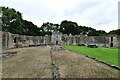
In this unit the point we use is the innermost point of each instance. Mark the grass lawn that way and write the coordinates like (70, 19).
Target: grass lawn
(109, 55)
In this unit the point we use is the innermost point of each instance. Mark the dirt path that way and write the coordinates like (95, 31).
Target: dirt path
(31, 62)
(73, 65)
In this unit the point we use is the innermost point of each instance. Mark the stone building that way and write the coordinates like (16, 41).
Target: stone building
(56, 38)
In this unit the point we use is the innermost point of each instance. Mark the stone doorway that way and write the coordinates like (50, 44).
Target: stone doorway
(15, 40)
(56, 42)
(111, 44)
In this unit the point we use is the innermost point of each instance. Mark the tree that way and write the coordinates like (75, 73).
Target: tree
(69, 27)
(102, 32)
(48, 28)
(30, 29)
(12, 20)
(114, 32)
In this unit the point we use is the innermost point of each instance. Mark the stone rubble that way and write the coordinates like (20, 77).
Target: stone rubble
(6, 55)
(55, 69)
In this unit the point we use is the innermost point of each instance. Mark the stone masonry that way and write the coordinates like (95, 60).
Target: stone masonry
(10, 40)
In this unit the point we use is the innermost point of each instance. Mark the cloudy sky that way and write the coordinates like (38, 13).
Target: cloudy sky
(98, 14)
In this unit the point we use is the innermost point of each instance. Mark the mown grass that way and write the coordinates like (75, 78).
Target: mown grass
(109, 55)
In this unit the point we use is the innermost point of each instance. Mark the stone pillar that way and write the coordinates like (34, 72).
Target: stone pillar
(0, 54)
(118, 39)
(6, 39)
(106, 41)
(0, 41)
(10, 40)
(31, 41)
(68, 40)
(115, 42)
(74, 40)
(44, 40)
(36, 41)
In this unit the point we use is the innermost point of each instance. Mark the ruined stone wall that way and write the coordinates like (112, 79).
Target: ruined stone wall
(116, 41)
(103, 41)
(15, 40)
(6, 40)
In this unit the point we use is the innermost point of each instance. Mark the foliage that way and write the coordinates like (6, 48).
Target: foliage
(12, 20)
(48, 28)
(30, 29)
(68, 27)
(115, 32)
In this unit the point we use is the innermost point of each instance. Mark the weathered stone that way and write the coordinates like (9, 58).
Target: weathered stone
(14, 40)
(0, 41)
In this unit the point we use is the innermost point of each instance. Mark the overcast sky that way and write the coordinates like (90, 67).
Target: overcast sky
(98, 14)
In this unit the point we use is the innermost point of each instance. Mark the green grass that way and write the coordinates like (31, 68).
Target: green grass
(109, 55)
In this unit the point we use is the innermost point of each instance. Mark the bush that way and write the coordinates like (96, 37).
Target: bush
(81, 44)
(92, 46)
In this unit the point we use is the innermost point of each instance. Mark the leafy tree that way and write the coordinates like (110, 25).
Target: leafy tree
(102, 33)
(114, 32)
(68, 27)
(48, 28)
(30, 29)
(12, 20)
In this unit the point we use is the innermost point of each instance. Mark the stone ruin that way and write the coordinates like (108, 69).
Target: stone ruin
(15, 40)
(102, 41)
(10, 40)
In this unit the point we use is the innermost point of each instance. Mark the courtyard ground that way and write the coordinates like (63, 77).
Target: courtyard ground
(35, 62)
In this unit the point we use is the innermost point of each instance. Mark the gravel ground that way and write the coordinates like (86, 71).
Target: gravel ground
(36, 62)
(31, 62)
(73, 65)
